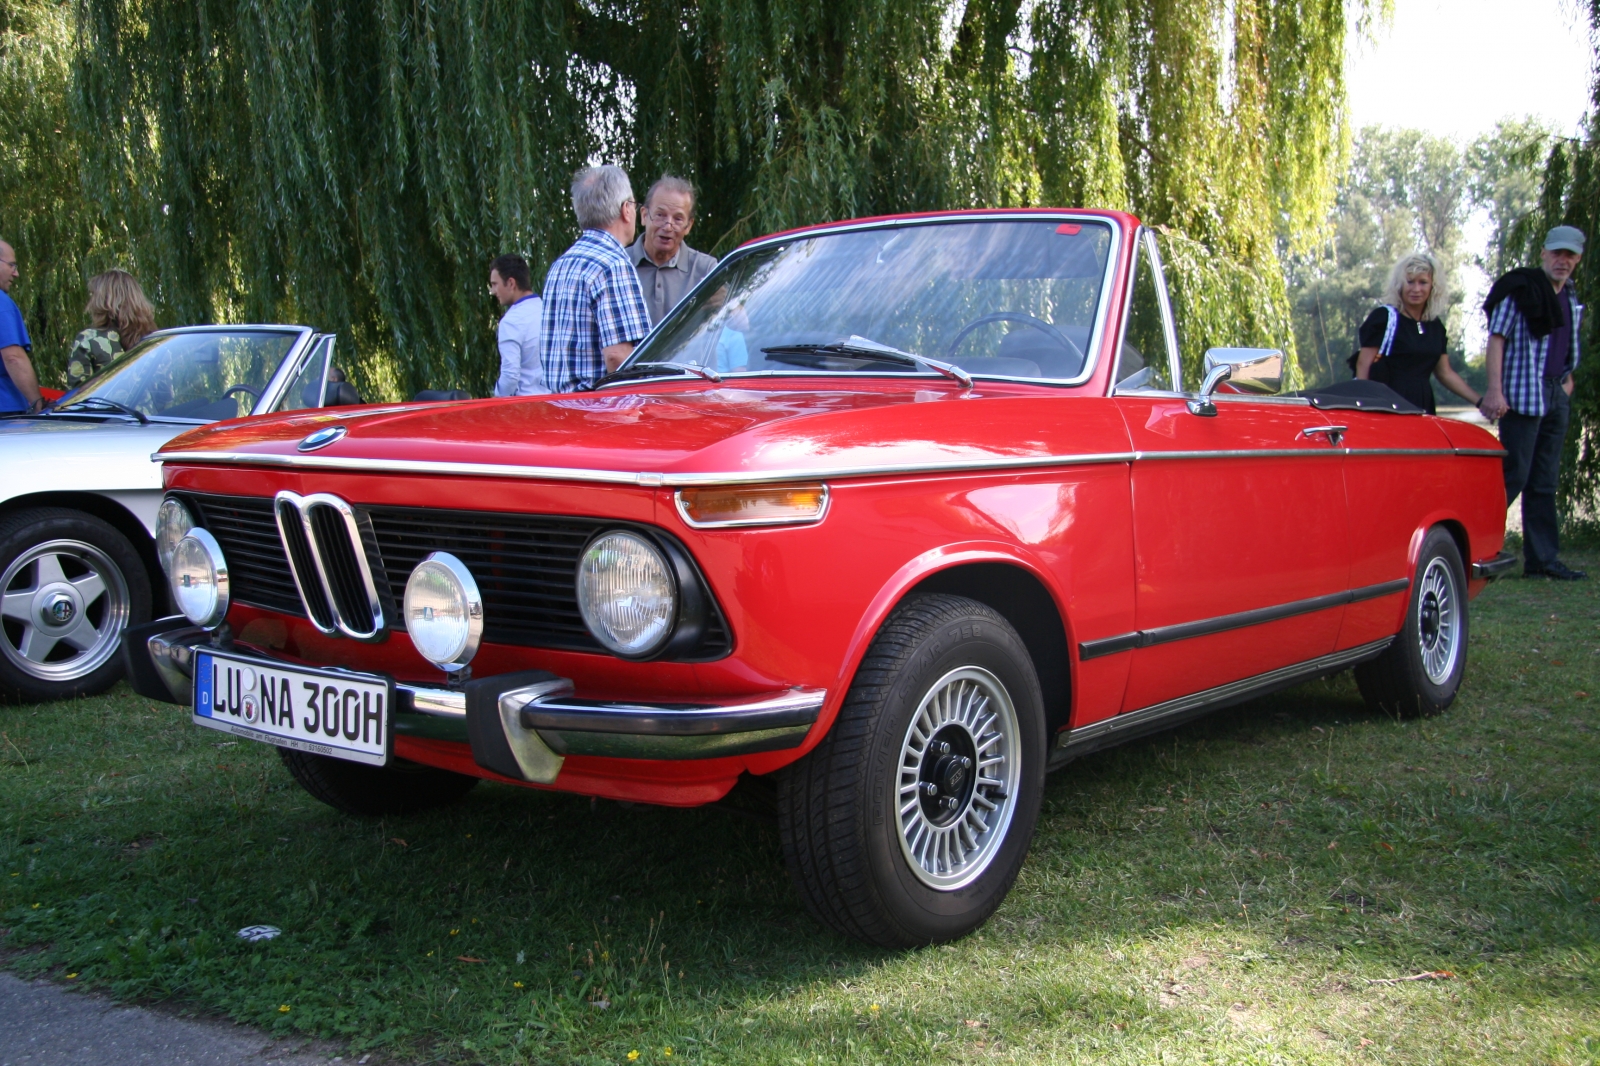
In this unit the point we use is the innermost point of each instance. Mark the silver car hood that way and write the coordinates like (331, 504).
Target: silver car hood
(64, 454)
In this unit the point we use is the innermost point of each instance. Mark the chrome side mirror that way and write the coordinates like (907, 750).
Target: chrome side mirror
(1254, 370)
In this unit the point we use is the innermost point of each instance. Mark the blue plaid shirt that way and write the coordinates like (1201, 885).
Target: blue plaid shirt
(592, 300)
(1522, 370)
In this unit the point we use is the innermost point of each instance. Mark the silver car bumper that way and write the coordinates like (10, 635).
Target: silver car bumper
(543, 722)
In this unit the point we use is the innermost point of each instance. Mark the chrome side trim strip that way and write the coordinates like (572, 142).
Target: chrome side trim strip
(649, 479)
(1127, 726)
(1144, 638)
(1491, 453)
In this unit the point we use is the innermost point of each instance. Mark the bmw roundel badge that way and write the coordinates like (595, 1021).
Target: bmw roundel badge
(321, 438)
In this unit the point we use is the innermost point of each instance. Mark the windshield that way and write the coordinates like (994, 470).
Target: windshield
(203, 376)
(995, 297)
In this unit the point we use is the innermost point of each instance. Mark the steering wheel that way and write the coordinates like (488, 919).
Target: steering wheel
(255, 394)
(1011, 316)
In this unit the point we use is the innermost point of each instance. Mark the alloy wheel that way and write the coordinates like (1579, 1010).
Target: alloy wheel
(958, 778)
(63, 606)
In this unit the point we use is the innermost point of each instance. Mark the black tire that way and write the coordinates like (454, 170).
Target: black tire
(53, 559)
(1419, 674)
(375, 791)
(840, 814)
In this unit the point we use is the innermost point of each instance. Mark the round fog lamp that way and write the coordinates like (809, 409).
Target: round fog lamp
(173, 522)
(444, 611)
(198, 577)
(627, 594)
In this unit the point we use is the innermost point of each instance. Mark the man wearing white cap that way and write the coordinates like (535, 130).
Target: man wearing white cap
(1534, 322)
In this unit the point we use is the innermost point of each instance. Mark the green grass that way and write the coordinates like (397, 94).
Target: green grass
(1223, 894)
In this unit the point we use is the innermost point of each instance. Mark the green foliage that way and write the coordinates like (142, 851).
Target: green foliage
(355, 166)
(43, 212)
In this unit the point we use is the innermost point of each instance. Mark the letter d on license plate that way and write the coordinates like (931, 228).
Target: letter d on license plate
(328, 712)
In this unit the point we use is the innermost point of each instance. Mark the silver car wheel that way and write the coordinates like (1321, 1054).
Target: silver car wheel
(63, 606)
(958, 778)
(1438, 620)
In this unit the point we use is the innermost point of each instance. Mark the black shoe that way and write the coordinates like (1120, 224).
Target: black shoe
(1556, 571)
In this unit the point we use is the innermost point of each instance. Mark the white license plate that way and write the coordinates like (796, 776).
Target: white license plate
(328, 712)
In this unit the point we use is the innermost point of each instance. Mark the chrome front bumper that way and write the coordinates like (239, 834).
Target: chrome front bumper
(539, 722)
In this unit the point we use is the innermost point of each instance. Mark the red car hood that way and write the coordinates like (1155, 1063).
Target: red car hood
(675, 431)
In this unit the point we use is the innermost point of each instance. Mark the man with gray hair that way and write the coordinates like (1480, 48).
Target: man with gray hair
(1535, 321)
(667, 267)
(594, 312)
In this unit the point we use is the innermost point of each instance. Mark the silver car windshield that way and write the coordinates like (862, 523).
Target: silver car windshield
(203, 376)
(1009, 298)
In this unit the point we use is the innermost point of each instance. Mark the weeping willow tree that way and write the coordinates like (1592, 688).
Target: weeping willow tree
(356, 165)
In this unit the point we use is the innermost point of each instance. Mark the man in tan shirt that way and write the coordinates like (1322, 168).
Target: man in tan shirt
(667, 267)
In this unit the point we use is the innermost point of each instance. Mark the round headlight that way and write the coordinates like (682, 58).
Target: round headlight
(627, 594)
(173, 522)
(443, 611)
(199, 579)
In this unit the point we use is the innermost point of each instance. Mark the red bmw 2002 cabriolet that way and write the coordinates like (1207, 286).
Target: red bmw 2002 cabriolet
(902, 512)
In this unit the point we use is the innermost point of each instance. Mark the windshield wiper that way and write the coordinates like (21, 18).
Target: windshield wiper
(101, 401)
(881, 353)
(648, 369)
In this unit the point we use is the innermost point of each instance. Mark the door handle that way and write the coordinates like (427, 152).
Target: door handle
(1335, 433)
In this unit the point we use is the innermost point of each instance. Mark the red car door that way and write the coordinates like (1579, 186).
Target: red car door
(1241, 542)
(1398, 470)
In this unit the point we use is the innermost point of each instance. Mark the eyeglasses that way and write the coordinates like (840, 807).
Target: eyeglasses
(661, 217)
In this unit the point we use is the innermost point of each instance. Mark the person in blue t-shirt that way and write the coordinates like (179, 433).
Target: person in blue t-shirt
(19, 385)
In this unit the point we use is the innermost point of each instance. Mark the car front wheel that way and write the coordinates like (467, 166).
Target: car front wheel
(1420, 673)
(908, 824)
(70, 583)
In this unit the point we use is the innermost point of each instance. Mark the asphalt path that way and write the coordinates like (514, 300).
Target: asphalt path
(44, 1024)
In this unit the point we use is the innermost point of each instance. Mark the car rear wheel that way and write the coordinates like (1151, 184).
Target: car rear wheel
(70, 583)
(375, 791)
(909, 822)
(1420, 673)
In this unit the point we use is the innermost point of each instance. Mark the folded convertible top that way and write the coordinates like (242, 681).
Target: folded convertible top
(1359, 394)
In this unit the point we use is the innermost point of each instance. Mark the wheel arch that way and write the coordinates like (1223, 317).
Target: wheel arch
(1450, 524)
(1024, 601)
(1018, 588)
(113, 514)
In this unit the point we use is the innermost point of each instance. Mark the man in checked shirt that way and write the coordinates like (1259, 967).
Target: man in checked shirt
(594, 310)
(1534, 322)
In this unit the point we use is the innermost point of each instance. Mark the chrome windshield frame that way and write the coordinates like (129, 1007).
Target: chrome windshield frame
(1092, 350)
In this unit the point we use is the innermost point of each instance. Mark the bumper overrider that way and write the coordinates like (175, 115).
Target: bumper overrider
(522, 725)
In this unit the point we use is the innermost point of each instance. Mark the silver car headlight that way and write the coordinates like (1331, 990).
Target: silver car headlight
(627, 594)
(199, 579)
(173, 523)
(444, 611)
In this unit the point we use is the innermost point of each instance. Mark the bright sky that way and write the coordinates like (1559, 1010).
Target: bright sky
(1455, 66)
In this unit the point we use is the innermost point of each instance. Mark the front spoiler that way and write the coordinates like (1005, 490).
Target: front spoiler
(523, 725)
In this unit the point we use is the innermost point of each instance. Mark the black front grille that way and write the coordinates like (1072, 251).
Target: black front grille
(258, 569)
(525, 566)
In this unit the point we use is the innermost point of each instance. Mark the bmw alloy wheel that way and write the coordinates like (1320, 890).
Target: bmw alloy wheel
(958, 778)
(1438, 621)
(63, 606)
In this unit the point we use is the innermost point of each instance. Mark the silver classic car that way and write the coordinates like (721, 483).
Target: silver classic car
(79, 498)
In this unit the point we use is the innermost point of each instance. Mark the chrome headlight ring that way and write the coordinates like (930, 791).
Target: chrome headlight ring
(198, 579)
(174, 520)
(443, 611)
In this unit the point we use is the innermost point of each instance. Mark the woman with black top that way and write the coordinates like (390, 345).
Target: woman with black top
(1403, 341)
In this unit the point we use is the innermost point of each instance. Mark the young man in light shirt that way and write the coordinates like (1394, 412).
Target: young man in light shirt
(521, 370)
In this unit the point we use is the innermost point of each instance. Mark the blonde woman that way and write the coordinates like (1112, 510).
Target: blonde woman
(119, 316)
(1403, 341)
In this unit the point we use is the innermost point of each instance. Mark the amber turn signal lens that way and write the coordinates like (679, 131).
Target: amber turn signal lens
(753, 505)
